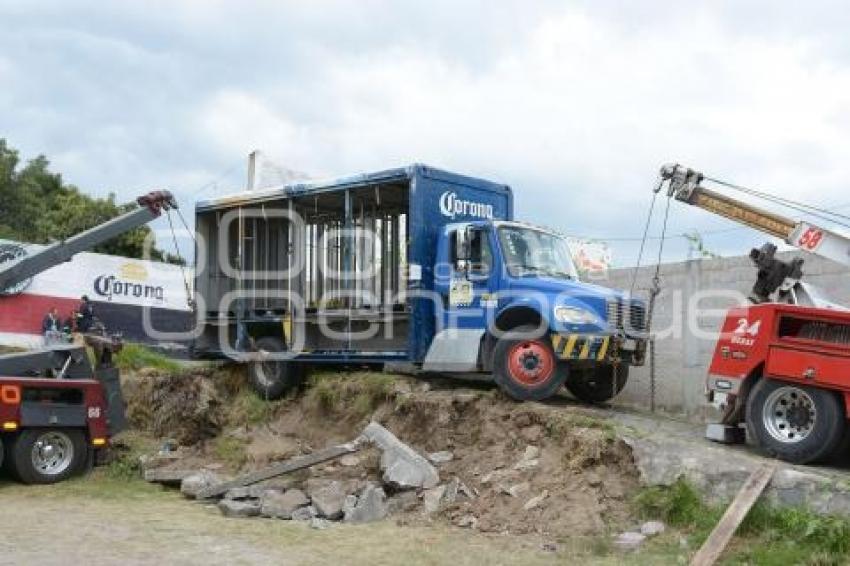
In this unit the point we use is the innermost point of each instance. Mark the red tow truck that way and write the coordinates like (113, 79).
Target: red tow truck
(781, 366)
(785, 371)
(57, 409)
(55, 412)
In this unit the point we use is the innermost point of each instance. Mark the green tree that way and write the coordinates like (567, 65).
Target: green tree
(37, 206)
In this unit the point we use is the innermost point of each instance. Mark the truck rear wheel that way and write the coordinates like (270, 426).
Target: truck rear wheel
(796, 423)
(526, 368)
(272, 379)
(47, 455)
(598, 384)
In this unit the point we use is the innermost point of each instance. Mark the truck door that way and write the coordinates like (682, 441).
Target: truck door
(469, 290)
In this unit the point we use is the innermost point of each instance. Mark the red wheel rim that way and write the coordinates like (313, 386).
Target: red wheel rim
(530, 362)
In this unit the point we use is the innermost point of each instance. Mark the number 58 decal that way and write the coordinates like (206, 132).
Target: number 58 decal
(810, 239)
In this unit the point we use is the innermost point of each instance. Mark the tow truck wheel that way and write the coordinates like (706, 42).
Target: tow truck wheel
(795, 423)
(47, 455)
(597, 385)
(526, 368)
(272, 379)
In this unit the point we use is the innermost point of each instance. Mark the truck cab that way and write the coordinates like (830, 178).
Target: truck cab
(413, 265)
(514, 306)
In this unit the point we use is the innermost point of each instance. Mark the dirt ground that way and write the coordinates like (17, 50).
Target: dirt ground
(97, 520)
(581, 469)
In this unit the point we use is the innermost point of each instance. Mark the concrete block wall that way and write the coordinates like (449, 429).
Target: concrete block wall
(688, 314)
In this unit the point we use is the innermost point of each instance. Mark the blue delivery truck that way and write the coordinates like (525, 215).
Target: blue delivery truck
(413, 265)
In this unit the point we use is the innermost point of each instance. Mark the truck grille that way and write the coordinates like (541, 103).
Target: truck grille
(627, 316)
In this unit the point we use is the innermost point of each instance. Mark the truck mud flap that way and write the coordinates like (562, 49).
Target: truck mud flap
(116, 418)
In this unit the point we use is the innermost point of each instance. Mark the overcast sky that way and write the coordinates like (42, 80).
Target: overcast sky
(575, 104)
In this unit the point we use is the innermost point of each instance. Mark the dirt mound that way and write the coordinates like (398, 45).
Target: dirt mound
(188, 407)
(533, 468)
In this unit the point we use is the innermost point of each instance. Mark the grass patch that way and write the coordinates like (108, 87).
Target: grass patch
(357, 393)
(136, 357)
(768, 535)
(230, 450)
(559, 426)
(246, 408)
(124, 464)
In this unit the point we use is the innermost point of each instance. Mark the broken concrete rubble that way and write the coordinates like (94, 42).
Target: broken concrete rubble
(282, 505)
(328, 500)
(442, 457)
(193, 484)
(304, 513)
(370, 506)
(433, 498)
(403, 467)
(629, 541)
(235, 508)
(652, 528)
(515, 490)
(530, 459)
(248, 492)
(535, 502)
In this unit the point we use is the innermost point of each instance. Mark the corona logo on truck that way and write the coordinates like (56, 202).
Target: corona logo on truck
(451, 206)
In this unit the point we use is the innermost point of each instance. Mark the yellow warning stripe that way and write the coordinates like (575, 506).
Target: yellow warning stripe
(571, 344)
(556, 342)
(585, 352)
(603, 348)
(577, 346)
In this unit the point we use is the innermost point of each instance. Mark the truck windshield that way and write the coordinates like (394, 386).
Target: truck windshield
(530, 252)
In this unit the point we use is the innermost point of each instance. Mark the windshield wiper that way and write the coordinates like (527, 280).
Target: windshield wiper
(534, 269)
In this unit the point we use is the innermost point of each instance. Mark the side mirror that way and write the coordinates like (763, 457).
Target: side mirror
(463, 244)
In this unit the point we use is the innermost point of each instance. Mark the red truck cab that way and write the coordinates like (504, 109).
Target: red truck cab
(784, 370)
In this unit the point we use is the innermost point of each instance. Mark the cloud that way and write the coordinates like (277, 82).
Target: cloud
(576, 105)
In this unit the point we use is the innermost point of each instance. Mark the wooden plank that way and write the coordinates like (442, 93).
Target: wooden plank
(281, 468)
(735, 513)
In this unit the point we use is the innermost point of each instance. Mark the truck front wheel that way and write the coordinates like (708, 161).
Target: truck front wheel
(598, 384)
(47, 455)
(796, 423)
(272, 379)
(526, 368)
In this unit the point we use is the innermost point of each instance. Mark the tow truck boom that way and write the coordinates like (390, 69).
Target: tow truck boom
(685, 184)
(150, 206)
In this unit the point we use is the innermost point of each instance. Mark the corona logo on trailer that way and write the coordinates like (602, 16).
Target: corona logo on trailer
(452, 206)
(120, 289)
(130, 282)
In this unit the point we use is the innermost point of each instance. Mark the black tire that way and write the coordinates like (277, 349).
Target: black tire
(31, 465)
(272, 379)
(527, 383)
(780, 420)
(597, 385)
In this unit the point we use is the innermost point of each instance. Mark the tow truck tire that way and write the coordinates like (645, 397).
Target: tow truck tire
(597, 385)
(272, 379)
(527, 368)
(47, 455)
(795, 423)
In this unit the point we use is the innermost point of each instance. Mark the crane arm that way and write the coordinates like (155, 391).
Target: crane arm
(150, 207)
(685, 185)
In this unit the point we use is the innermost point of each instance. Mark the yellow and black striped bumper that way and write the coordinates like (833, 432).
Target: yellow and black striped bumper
(584, 347)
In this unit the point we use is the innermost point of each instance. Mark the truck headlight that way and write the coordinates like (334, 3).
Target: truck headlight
(572, 315)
